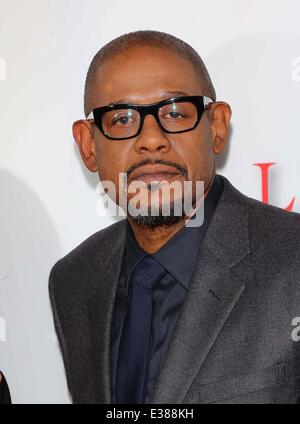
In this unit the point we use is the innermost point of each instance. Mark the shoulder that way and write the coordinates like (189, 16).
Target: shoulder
(272, 222)
(274, 233)
(82, 256)
(262, 215)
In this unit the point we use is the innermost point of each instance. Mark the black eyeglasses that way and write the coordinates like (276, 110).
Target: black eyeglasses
(175, 115)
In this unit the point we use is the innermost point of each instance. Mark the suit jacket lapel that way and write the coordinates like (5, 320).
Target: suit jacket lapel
(104, 280)
(217, 283)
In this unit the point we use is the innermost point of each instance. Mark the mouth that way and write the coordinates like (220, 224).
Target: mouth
(150, 173)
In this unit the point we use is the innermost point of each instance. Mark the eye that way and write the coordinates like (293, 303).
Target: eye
(174, 115)
(122, 119)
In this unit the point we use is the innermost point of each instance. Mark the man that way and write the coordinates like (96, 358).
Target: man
(151, 309)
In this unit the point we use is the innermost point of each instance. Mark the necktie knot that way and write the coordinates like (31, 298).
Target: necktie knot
(147, 272)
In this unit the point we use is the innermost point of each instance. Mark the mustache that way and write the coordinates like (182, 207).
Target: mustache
(182, 170)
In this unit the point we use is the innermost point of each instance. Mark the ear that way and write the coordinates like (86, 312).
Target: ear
(220, 114)
(84, 136)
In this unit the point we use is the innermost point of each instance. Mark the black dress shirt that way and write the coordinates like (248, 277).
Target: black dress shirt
(178, 256)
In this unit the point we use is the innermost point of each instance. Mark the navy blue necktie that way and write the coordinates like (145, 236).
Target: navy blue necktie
(135, 343)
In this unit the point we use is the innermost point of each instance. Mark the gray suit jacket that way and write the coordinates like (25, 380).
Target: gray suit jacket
(233, 339)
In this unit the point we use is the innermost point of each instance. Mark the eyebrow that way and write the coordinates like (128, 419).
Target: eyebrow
(167, 94)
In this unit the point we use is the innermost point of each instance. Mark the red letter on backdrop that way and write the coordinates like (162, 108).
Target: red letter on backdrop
(265, 184)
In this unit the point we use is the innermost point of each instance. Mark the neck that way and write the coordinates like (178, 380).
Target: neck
(152, 239)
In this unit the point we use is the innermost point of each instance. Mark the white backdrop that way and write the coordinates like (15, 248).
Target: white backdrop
(49, 201)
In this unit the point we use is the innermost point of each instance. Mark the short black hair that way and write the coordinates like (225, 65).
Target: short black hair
(147, 38)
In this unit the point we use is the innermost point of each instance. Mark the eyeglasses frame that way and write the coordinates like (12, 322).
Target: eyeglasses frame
(200, 102)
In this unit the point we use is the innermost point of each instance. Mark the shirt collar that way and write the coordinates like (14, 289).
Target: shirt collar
(184, 245)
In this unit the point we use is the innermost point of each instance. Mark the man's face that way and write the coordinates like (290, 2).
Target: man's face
(144, 75)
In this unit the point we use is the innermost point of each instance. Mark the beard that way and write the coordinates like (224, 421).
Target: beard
(158, 218)
(159, 215)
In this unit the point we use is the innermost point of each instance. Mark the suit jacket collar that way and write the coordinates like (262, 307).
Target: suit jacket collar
(183, 246)
(218, 280)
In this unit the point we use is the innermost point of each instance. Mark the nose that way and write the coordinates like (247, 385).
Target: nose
(152, 138)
